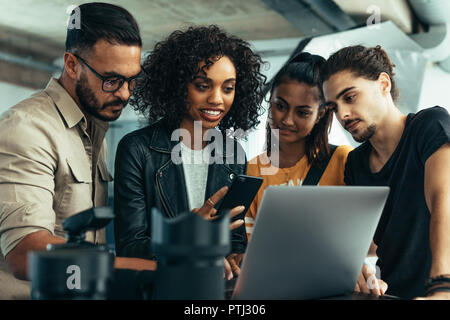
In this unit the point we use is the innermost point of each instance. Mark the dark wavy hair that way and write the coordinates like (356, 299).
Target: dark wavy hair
(306, 68)
(363, 62)
(173, 64)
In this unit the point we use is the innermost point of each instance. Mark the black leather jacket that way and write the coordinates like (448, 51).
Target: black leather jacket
(146, 177)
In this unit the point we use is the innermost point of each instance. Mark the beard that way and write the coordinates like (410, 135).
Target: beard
(91, 104)
(367, 134)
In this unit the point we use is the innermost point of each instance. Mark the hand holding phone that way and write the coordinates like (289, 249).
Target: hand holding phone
(241, 193)
(208, 212)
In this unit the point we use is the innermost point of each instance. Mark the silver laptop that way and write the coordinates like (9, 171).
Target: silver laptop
(309, 242)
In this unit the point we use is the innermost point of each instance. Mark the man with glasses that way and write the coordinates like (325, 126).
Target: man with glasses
(52, 147)
(111, 82)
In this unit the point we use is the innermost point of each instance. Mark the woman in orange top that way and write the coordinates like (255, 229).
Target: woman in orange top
(299, 137)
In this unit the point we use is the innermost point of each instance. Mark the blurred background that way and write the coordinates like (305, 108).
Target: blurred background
(415, 33)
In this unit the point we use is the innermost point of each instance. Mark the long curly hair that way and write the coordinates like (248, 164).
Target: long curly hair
(173, 64)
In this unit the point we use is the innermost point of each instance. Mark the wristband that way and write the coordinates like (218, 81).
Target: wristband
(442, 279)
(437, 289)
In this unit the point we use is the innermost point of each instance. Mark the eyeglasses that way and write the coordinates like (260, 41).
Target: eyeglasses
(112, 83)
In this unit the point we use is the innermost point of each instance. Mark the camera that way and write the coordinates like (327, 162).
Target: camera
(190, 252)
(76, 269)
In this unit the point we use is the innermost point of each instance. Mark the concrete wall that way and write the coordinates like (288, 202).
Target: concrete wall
(11, 94)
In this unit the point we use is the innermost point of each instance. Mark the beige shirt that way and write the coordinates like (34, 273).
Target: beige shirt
(46, 161)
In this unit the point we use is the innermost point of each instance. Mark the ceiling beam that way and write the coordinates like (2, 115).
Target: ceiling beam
(27, 60)
(329, 11)
(40, 47)
(312, 17)
(23, 76)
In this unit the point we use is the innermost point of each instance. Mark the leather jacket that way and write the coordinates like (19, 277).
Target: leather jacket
(146, 177)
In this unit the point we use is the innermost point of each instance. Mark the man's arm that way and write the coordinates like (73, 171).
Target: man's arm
(27, 187)
(437, 196)
(17, 259)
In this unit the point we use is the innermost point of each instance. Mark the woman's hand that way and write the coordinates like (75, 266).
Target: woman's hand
(235, 261)
(208, 212)
(228, 274)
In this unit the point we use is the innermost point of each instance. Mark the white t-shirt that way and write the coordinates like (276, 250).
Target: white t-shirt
(195, 166)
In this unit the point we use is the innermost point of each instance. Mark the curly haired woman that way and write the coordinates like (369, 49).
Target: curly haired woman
(200, 83)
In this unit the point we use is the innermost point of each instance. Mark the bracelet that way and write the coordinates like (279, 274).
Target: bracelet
(441, 279)
(437, 289)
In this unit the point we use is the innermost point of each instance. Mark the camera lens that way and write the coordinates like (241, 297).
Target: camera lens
(70, 274)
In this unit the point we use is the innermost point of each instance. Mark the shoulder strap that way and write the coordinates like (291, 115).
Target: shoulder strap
(316, 172)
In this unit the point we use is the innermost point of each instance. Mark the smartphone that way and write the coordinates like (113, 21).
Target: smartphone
(241, 193)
